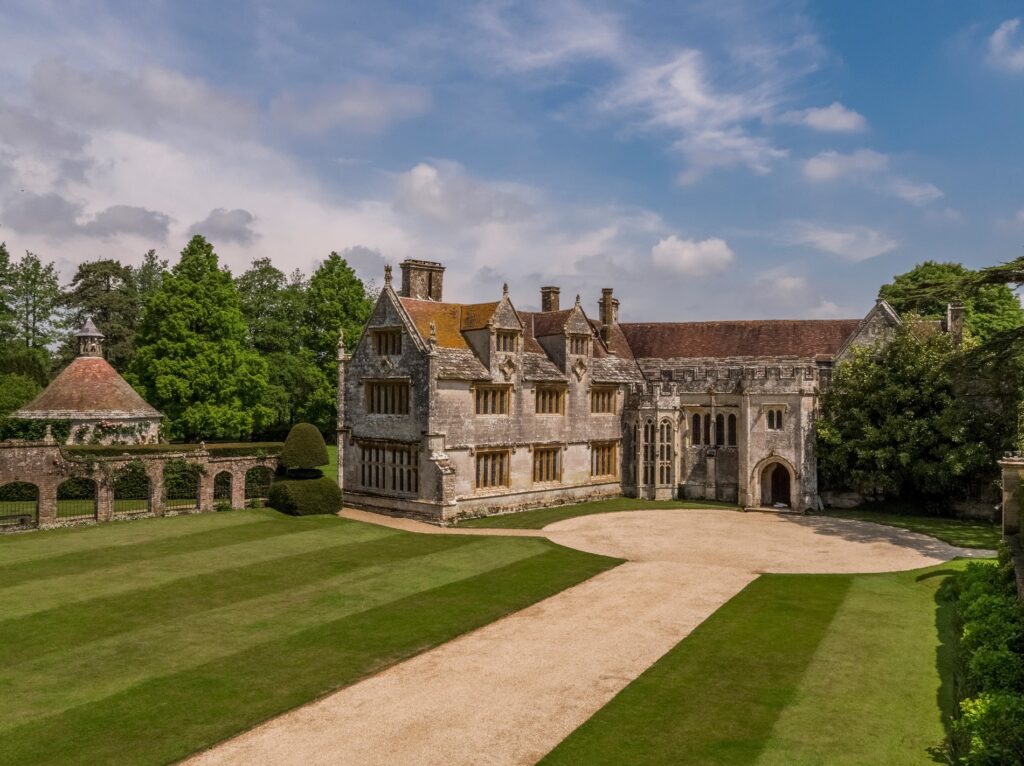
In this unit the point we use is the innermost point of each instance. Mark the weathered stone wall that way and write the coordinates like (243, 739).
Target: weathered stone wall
(46, 466)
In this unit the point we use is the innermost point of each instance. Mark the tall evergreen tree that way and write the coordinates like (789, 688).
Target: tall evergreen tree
(36, 300)
(274, 308)
(193, 360)
(149, 275)
(6, 293)
(106, 291)
(337, 301)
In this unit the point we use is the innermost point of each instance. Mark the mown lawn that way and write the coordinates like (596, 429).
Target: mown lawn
(142, 642)
(965, 533)
(796, 669)
(544, 516)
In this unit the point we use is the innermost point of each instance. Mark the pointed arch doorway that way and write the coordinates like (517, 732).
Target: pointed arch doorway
(776, 486)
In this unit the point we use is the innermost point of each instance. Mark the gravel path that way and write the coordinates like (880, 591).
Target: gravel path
(510, 691)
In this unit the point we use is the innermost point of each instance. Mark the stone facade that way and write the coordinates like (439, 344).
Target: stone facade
(448, 410)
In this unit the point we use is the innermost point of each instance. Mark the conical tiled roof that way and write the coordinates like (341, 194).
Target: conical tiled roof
(88, 388)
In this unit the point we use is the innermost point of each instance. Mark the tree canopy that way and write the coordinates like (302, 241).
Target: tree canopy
(927, 289)
(193, 360)
(910, 420)
(106, 291)
(35, 299)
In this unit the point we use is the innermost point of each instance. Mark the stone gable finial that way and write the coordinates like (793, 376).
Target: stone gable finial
(504, 288)
(341, 344)
(577, 299)
(387, 275)
(432, 340)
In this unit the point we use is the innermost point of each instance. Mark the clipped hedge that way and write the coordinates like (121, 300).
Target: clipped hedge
(304, 449)
(305, 497)
(990, 727)
(227, 449)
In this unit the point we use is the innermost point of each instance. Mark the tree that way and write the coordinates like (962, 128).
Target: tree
(193, 360)
(337, 301)
(927, 288)
(6, 293)
(904, 420)
(149, 275)
(106, 291)
(274, 308)
(36, 300)
(16, 390)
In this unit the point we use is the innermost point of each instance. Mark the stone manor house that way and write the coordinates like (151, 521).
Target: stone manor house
(450, 409)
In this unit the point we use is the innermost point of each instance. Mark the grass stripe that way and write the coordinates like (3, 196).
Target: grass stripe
(58, 542)
(714, 698)
(51, 593)
(76, 624)
(166, 718)
(114, 555)
(82, 674)
(871, 695)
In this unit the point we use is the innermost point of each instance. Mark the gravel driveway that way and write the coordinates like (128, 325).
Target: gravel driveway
(510, 691)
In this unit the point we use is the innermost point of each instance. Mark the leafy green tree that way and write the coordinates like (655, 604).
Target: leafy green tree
(106, 291)
(193, 360)
(337, 301)
(6, 293)
(275, 308)
(33, 363)
(928, 287)
(901, 420)
(16, 390)
(36, 299)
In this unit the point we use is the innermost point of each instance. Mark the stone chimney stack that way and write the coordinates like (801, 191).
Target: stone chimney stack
(422, 279)
(549, 298)
(955, 313)
(608, 310)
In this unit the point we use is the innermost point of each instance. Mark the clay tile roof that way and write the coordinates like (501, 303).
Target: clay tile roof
(550, 322)
(88, 387)
(447, 318)
(785, 337)
(475, 316)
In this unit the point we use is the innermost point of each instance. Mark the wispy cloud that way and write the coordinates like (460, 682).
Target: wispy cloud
(1006, 47)
(360, 106)
(851, 243)
(870, 169)
(834, 118)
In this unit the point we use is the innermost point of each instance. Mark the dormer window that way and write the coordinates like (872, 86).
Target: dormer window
(506, 341)
(387, 342)
(579, 344)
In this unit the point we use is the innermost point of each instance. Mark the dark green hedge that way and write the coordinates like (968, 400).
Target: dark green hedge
(305, 497)
(990, 727)
(304, 449)
(34, 430)
(19, 492)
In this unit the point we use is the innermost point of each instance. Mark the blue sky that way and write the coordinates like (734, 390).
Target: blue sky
(709, 160)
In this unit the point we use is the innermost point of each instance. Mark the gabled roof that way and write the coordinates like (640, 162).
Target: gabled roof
(804, 338)
(450, 319)
(88, 388)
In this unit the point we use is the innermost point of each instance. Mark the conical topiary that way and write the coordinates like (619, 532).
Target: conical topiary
(304, 449)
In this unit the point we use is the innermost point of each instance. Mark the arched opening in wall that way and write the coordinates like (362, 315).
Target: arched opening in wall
(222, 491)
(257, 486)
(650, 451)
(181, 486)
(76, 500)
(132, 490)
(719, 430)
(776, 486)
(19, 504)
(695, 431)
(732, 430)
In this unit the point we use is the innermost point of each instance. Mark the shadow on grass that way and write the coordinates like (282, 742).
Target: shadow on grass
(947, 627)
(860, 531)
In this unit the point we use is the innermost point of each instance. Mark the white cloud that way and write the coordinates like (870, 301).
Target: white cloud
(834, 118)
(1006, 47)
(826, 310)
(54, 216)
(853, 243)
(445, 193)
(531, 37)
(695, 258)
(362, 106)
(679, 96)
(870, 169)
